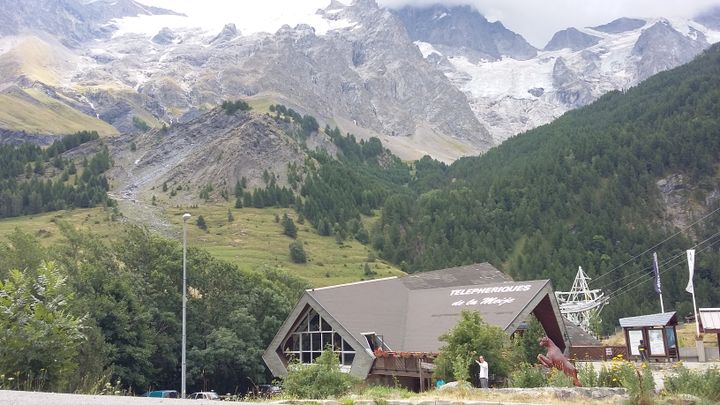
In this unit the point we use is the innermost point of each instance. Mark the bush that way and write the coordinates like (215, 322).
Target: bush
(297, 252)
(231, 106)
(527, 376)
(639, 382)
(637, 379)
(461, 367)
(587, 375)
(320, 380)
(557, 378)
(705, 385)
(528, 347)
(40, 340)
(140, 124)
(469, 338)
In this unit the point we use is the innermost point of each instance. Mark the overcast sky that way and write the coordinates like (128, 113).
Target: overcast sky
(536, 20)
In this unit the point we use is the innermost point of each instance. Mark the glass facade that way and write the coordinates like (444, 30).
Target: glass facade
(312, 335)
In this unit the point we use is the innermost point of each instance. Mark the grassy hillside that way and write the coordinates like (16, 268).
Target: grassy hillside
(36, 59)
(39, 113)
(252, 240)
(45, 226)
(30, 110)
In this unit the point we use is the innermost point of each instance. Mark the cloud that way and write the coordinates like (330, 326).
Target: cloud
(538, 20)
(249, 16)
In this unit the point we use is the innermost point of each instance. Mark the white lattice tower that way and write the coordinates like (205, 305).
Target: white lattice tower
(581, 304)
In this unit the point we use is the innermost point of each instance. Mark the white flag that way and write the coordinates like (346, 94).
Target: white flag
(691, 266)
(656, 272)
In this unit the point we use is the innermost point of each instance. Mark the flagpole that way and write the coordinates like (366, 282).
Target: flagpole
(662, 306)
(656, 270)
(697, 321)
(691, 288)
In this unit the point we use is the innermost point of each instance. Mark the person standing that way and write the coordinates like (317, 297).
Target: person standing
(643, 351)
(483, 373)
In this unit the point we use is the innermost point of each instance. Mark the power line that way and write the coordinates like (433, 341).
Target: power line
(666, 264)
(655, 246)
(647, 269)
(642, 272)
(640, 280)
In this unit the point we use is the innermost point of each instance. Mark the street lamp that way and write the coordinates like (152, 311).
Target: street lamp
(185, 217)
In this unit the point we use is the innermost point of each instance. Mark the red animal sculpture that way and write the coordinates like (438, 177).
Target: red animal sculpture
(555, 358)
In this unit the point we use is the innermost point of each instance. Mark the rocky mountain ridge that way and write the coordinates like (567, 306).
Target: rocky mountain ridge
(365, 75)
(215, 149)
(463, 27)
(513, 95)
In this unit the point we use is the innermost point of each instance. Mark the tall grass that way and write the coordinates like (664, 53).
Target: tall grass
(705, 385)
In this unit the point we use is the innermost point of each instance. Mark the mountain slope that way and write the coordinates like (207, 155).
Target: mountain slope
(216, 149)
(72, 21)
(594, 188)
(377, 81)
(42, 65)
(32, 111)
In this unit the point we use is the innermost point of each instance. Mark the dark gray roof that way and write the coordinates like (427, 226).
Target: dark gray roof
(661, 319)
(474, 274)
(376, 306)
(412, 312)
(432, 312)
(578, 337)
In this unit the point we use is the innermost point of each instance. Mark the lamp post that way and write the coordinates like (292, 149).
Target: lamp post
(185, 217)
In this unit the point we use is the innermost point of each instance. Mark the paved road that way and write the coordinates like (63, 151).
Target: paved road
(44, 398)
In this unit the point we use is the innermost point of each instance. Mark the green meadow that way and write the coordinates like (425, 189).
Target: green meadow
(251, 240)
(254, 238)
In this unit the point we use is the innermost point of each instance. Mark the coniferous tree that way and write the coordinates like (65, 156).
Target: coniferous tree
(297, 252)
(289, 227)
(200, 222)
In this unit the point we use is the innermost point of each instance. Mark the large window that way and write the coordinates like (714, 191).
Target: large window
(312, 335)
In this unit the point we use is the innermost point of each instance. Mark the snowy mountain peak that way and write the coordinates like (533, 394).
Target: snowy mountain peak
(572, 39)
(577, 66)
(228, 33)
(463, 27)
(620, 25)
(661, 47)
